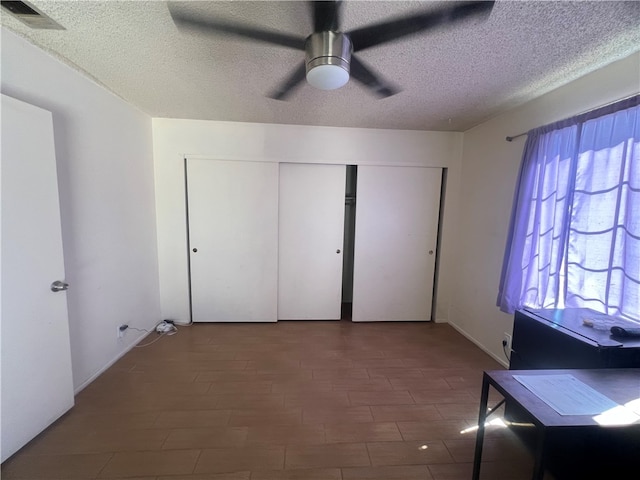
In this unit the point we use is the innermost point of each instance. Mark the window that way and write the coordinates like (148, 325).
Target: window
(574, 238)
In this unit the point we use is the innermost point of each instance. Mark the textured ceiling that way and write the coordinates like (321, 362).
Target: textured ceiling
(451, 79)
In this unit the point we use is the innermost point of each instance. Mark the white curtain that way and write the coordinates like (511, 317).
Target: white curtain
(574, 238)
(603, 256)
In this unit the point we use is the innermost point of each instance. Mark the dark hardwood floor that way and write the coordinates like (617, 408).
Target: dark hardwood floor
(290, 400)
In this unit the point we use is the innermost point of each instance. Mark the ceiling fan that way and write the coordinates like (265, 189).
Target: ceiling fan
(330, 58)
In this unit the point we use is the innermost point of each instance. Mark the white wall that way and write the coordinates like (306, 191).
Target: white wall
(175, 139)
(489, 170)
(105, 176)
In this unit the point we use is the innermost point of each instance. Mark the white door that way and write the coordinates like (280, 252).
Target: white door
(310, 241)
(397, 211)
(233, 240)
(37, 385)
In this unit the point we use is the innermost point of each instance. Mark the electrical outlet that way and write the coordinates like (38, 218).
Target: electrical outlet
(506, 341)
(121, 329)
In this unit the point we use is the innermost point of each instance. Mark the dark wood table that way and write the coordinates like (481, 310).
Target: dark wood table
(620, 385)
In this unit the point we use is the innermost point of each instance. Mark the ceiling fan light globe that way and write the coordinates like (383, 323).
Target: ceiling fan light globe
(327, 77)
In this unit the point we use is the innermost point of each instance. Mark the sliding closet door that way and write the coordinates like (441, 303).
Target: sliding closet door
(311, 238)
(396, 233)
(233, 240)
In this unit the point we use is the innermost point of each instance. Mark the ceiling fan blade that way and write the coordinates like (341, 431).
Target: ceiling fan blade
(365, 75)
(213, 26)
(290, 84)
(326, 16)
(376, 34)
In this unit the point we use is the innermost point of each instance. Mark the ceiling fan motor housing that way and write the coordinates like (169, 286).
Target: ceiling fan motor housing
(328, 56)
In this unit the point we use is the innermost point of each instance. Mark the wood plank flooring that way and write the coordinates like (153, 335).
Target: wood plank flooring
(290, 400)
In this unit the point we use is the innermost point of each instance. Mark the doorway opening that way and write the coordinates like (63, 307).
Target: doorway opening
(348, 244)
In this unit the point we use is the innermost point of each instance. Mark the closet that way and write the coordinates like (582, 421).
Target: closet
(349, 237)
(271, 241)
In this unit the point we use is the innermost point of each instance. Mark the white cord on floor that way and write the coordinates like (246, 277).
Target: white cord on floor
(164, 333)
(154, 341)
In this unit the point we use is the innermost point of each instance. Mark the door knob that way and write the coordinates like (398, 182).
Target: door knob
(430, 252)
(338, 251)
(59, 286)
(195, 250)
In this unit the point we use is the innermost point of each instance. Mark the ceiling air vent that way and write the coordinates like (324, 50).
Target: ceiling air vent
(30, 15)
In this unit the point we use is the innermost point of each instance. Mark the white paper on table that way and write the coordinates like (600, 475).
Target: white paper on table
(634, 405)
(566, 394)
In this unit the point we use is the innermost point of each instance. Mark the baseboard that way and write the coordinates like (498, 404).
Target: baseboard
(498, 359)
(87, 382)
